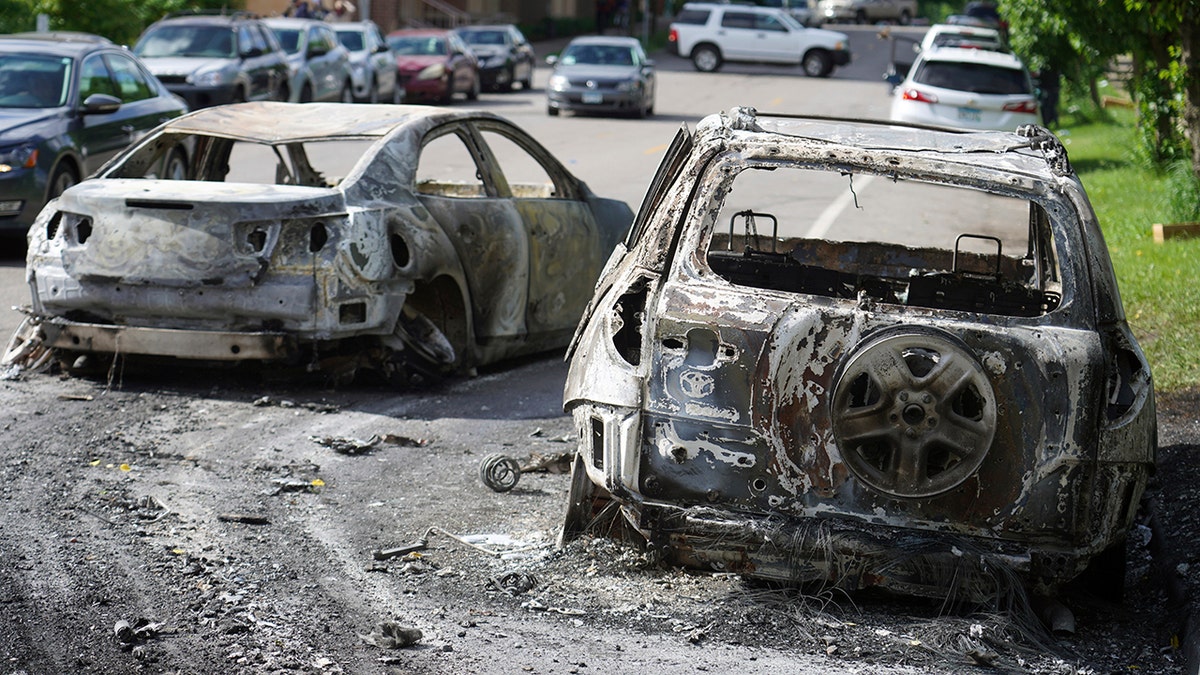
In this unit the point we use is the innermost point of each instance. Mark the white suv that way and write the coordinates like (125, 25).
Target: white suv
(966, 88)
(710, 34)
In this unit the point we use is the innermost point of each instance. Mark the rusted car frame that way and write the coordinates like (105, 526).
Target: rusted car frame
(931, 420)
(341, 237)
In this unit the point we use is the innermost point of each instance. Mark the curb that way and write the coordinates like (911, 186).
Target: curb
(1179, 602)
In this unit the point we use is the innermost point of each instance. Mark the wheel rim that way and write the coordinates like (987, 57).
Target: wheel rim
(62, 182)
(814, 66)
(706, 59)
(914, 414)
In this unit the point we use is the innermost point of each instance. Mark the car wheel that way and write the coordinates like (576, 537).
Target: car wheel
(511, 80)
(473, 92)
(860, 17)
(63, 178)
(551, 111)
(706, 58)
(347, 93)
(373, 91)
(176, 166)
(239, 95)
(26, 348)
(817, 63)
(306, 93)
(527, 83)
(914, 412)
(905, 17)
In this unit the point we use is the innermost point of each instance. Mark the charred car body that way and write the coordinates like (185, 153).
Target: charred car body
(866, 355)
(393, 237)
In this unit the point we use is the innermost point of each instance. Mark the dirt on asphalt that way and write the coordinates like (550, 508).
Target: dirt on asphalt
(198, 522)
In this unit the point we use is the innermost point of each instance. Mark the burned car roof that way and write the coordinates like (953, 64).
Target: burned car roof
(863, 355)
(275, 122)
(410, 241)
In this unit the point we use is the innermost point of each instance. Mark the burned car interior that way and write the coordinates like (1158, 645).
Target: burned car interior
(881, 252)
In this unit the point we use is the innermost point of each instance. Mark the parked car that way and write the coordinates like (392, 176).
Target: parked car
(68, 103)
(967, 88)
(934, 391)
(434, 64)
(867, 11)
(601, 74)
(212, 59)
(320, 65)
(966, 37)
(803, 11)
(372, 63)
(710, 34)
(408, 240)
(505, 57)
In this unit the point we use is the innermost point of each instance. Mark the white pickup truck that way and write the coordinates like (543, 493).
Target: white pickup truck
(710, 34)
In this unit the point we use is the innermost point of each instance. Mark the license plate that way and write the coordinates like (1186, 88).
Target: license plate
(593, 97)
(969, 114)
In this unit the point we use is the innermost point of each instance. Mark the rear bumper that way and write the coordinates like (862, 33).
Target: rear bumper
(191, 344)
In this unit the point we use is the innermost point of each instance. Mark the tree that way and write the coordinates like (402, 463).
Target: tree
(1082, 36)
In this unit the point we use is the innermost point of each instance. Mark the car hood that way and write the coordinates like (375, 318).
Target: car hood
(184, 65)
(20, 124)
(579, 71)
(184, 233)
(418, 62)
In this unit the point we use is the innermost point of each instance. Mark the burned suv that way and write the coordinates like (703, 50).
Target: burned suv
(867, 355)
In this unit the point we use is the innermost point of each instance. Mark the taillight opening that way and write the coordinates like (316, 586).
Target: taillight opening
(1028, 106)
(918, 95)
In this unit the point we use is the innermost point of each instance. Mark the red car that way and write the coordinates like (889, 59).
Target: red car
(434, 64)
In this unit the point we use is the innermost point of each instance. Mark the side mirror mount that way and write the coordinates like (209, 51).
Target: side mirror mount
(101, 104)
(552, 59)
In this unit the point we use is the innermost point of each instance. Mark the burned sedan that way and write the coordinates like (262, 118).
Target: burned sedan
(405, 239)
(863, 354)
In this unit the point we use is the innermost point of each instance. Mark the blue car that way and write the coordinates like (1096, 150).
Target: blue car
(68, 103)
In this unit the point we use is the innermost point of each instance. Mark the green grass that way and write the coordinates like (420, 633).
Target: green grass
(1160, 283)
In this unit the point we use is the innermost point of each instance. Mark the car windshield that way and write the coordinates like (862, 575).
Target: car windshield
(978, 78)
(598, 55)
(289, 39)
(893, 240)
(351, 39)
(28, 81)
(483, 37)
(964, 41)
(195, 41)
(417, 46)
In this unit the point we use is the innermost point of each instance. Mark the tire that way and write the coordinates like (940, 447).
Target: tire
(373, 91)
(63, 178)
(817, 63)
(905, 18)
(473, 92)
(239, 95)
(551, 111)
(397, 91)
(706, 58)
(176, 166)
(306, 93)
(347, 95)
(860, 17)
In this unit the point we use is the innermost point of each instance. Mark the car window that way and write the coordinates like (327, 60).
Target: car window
(289, 39)
(28, 81)
(697, 17)
(517, 36)
(351, 39)
(592, 54)
(94, 78)
(978, 78)
(197, 41)
(448, 169)
(321, 163)
(896, 241)
(527, 177)
(768, 22)
(131, 82)
(484, 37)
(739, 20)
(417, 45)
